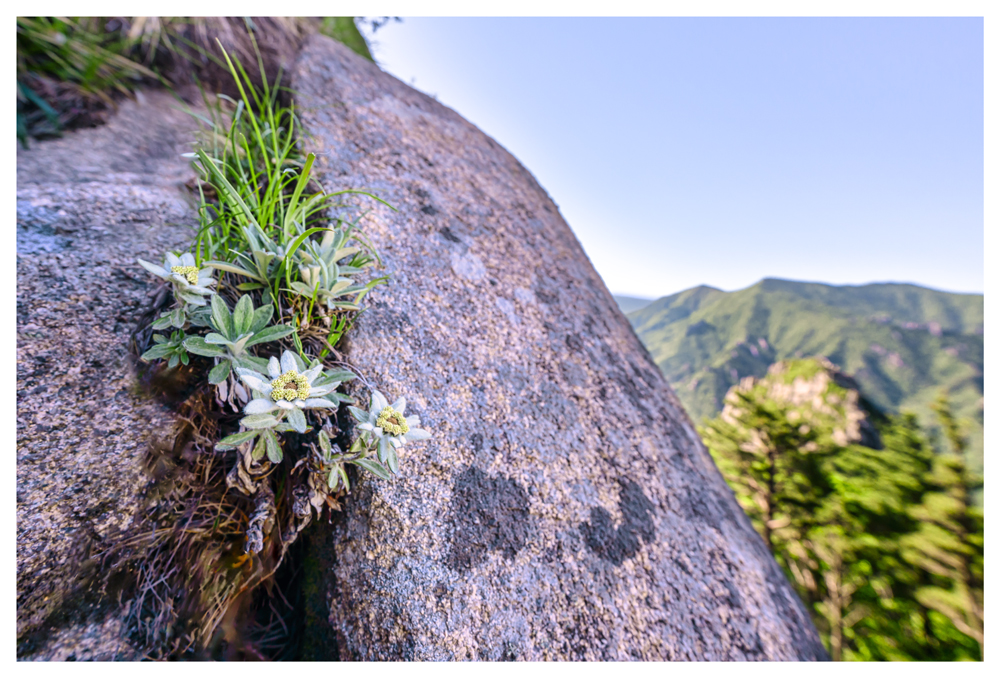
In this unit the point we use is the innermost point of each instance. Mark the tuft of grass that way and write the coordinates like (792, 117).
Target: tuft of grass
(266, 224)
(69, 68)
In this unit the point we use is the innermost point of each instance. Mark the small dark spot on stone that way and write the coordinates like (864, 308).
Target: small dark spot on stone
(446, 232)
(510, 652)
(440, 590)
(574, 342)
(734, 598)
(477, 441)
(429, 209)
(490, 513)
(421, 193)
(617, 544)
(547, 297)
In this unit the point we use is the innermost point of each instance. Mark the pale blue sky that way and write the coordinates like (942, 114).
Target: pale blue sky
(721, 151)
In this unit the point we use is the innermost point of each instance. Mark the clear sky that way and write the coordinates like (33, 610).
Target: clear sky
(721, 151)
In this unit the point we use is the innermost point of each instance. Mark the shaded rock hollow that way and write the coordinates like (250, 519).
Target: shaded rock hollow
(565, 507)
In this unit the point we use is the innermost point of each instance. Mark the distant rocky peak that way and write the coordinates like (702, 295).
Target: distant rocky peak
(818, 394)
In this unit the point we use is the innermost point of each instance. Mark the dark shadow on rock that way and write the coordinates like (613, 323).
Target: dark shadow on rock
(489, 514)
(616, 544)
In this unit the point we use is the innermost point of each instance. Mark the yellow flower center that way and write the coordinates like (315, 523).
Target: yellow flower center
(392, 422)
(290, 386)
(189, 272)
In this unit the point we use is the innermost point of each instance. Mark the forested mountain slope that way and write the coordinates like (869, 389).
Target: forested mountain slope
(903, 343)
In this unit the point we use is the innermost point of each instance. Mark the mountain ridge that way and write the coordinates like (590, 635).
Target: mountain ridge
(902, 342)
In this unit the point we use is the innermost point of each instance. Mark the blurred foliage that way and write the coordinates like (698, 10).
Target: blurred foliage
(877, 533)
(67, 68)
(344, 29)
(71, 70)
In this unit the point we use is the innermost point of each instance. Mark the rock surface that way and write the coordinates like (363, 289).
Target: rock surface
(87, 206)
(565, 507)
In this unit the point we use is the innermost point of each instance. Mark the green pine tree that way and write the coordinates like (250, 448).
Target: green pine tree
(883, 545)
(948, 545)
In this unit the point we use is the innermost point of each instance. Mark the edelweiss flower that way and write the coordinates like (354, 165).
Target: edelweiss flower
(392, 422)
(190, 282)
(387, 421)
(286, 390)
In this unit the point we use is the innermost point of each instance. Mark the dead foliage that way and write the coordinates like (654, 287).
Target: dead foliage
(196, 573)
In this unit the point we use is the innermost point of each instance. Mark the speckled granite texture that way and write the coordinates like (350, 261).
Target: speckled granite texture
(565, 508)
(87, 205)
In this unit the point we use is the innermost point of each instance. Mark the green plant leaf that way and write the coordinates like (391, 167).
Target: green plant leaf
(231, 442)
(242, 316)
(295, 244)
(297, 419)
(158, 351)
(270, 334)
(393, 461)
(198, 346)
(261, 317)
(193, 299)
(219, 372)
(250, 362)
(338, 375)
(226, 187)
(260, 449)
(374, 467)
(163, 322)
(274, 452)
(302, 289)
(233, 268)
(297, 193)
(222, 320)
(263, 260)
(259, 421)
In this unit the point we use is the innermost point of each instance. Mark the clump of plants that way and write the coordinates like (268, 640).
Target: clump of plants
(276, 276)
(72, 70)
